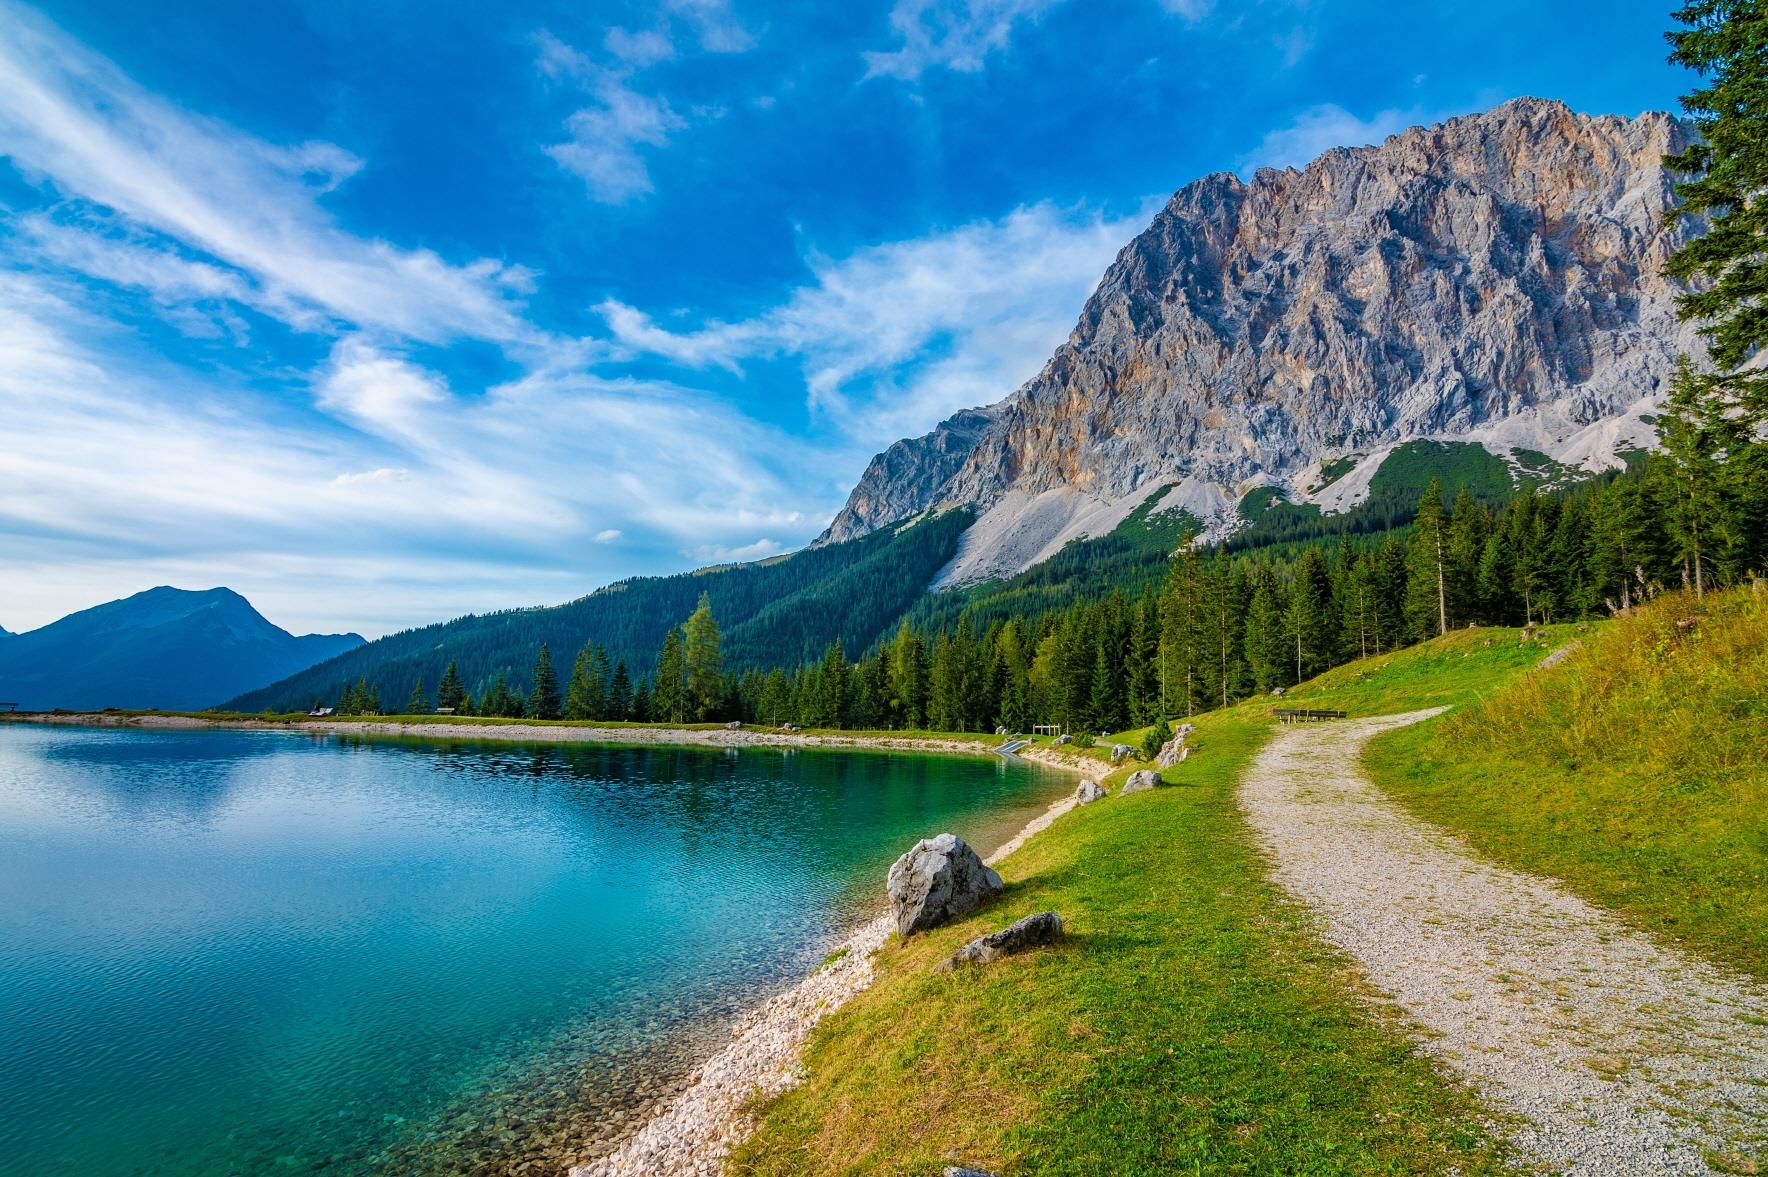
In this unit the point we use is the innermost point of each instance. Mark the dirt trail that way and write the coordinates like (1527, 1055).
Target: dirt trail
(1619, 1054)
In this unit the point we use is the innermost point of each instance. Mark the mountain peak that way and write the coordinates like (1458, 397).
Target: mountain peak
(1495, 277)
(163, 647)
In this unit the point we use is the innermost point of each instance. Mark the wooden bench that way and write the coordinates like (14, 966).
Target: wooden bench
(10, 706)
(1298, 714)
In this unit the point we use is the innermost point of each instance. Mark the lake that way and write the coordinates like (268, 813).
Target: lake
(255, 952)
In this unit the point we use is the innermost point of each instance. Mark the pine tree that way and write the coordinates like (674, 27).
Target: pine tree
(1309, 620)
(669, 693)
(1427, 595)
(543, 697)
(705, 661)
(1267, 648)
(620, 693)
(418, 702)
(452, 693)
(584, 695)
(832, 688)
(1726, 267)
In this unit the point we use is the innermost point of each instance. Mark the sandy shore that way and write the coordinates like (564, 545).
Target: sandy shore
(692, 1133)
(532, 733)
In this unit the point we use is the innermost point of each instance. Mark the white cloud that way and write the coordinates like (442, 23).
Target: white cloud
(717, 27)
(640, 49)
(603, 149)
(70, 119)
(759, 550)
(1191, 10)
(1296, 44)
(607, 535)
(1320, 128)
(950, 34)
(432, 506)
(894, 337)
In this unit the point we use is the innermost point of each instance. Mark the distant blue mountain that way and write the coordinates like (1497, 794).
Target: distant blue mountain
(164, 648)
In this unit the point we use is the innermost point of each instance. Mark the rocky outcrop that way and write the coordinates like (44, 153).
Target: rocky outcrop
(1139, 782)
(907, 478)
(1034, 931)
(1088, 792)
(939, 880)
(1494, 278)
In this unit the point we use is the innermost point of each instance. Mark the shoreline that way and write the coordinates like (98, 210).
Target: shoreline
(689, 1133)
(704, 1111)
(548, 733)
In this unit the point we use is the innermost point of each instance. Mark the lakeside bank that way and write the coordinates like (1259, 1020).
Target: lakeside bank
(1067, 759)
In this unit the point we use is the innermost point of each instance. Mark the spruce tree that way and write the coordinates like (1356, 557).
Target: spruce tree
(418, 703)
(1427, 594)
(543, 695)
(584, 696)
(620, 693)
(452, 692)
(669, 693)
(1309, 620)
(704, 661)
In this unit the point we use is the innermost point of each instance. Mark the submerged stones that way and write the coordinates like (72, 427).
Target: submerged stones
(1139, 782)
(1034, 931)
(1088, 792)
(939, 880)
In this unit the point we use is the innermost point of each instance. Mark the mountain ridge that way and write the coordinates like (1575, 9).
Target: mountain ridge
(170, 648)
(1494, 278)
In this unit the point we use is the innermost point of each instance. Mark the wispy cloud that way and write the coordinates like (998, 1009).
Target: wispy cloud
(1320, 128)
(894, 337)
(250, 209)
(605, 142)
(714, 23)
(958, 35)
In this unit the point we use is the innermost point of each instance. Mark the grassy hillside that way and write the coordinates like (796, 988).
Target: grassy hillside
(1636, 770)
(1190, 1022)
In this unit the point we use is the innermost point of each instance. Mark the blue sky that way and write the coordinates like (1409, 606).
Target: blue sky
(382, 313)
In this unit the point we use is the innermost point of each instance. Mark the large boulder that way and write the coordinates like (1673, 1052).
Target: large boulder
(939, 880)
(1059, 741)
(1139, 782)
(1121, 752)
(1088, 792)
(1034, 931)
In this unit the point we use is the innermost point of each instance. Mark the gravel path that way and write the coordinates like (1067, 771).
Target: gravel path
(1619, 1054)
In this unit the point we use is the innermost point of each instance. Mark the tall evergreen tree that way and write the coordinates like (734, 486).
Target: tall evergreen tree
(704, 661)
(620, 693)
(669, 693)
(418, 702)
(543, 694)
(451, 694)
(1427, 595)
(1310, 616)
(584, 696)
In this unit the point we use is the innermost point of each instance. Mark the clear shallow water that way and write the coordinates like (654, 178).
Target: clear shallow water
(250, 952)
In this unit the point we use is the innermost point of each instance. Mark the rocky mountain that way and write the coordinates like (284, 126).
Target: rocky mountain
(1493, 279)
(163, 648)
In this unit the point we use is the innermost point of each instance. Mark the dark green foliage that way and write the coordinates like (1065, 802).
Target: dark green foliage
(418, 703)
(543, 696)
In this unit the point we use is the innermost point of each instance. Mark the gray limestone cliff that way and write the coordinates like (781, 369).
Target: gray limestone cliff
(1495, 278)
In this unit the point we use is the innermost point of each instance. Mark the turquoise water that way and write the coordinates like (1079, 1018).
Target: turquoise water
(255, 952)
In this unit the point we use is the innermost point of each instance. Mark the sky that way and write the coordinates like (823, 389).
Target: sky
(381, 313)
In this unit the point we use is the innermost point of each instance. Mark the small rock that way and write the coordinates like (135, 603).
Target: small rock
(939, 880)
(1059, 741)
(734, 725)
(1000, 731)
(1034, 931)
(1140, 782)
(1559, 655)
(1277, 692)
(1088, 792)
(961, 1171)
(1121, 752)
